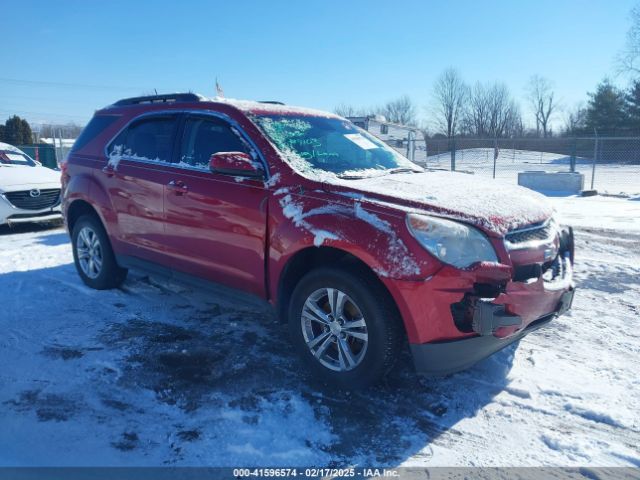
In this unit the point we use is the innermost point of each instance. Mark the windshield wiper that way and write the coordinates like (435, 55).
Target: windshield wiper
(403, 170)
(381, 174)
(351, 177)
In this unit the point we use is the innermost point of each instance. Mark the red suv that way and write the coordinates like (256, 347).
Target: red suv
(356, 247)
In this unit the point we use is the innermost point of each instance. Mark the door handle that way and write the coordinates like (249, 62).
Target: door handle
(177, 187)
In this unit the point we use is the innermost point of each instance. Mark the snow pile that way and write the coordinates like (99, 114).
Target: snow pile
(600, 213)
(609, 177)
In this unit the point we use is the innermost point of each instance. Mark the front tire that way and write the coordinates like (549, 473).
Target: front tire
(345, 327)
(93, 255)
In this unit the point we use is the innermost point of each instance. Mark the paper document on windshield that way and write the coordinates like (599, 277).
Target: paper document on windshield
(361, 141)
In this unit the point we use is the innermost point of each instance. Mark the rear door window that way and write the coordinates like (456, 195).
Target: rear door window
(149, 139)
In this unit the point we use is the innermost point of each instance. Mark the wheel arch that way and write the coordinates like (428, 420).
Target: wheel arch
(78, 208)
(312, 257)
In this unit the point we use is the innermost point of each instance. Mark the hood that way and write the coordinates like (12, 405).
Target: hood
(485, 203)
(12, 176)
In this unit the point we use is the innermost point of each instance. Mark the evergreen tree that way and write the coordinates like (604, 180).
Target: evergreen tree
(17, 131)
(606, 111)
(633, 105)
(27, 134)
(2, 133)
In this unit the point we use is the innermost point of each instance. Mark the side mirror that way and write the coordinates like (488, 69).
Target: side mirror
(235, 163)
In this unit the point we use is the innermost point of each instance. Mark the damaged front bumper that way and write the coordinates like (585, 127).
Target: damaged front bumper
(493, 314)
(443, 358)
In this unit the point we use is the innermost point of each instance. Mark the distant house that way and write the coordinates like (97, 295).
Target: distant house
(405, 139)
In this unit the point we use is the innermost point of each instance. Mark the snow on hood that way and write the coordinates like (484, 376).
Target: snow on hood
(485, 203)
(22, 175)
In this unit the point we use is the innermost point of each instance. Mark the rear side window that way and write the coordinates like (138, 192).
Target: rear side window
(149, 139)
(204, 137)
(94, 128)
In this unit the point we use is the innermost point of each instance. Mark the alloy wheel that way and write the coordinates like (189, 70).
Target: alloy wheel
(334, 329)
(89, 252)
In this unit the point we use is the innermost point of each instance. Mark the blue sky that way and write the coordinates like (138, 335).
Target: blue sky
(63, 59)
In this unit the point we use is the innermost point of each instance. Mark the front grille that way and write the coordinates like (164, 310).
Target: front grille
(24, 200)
(541, 232)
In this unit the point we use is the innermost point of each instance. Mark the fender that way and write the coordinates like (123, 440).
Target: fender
(379, 239)
(84, 187)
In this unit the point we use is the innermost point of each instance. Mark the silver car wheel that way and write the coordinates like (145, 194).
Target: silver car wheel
(334, 329)
(89, 252)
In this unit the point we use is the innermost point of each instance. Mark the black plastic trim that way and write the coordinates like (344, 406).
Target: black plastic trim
(444, 358)
(229, 293)
(166, 98)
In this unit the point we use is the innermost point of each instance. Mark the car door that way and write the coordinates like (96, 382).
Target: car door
(136, 176)
(215, 223)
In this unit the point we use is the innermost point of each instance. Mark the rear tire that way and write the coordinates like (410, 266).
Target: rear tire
(345, 327)
(93, 255)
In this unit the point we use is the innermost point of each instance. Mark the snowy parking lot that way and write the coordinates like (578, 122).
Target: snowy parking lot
(157, 373)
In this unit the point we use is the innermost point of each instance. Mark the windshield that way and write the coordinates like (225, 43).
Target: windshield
(332, 145)
(15, 158)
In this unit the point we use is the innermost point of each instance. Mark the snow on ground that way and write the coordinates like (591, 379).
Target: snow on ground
(157, 373)
(609, 178)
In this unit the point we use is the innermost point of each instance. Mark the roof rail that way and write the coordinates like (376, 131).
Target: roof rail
(167, 98)
(272, 102)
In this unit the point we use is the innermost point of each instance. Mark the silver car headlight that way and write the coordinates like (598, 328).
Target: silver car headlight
(452, 242)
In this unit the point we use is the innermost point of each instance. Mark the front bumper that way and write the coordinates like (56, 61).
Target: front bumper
(11, 215)
(44, 217)
(457, 317)
(443, 358)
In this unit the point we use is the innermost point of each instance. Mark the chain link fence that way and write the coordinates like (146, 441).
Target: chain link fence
(609, 164)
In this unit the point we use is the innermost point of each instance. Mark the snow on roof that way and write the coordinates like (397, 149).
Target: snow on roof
(252, 106)
(247, 106)
(65, 142)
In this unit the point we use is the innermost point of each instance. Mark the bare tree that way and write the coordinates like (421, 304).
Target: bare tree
(629, 57)
(48, 130)
(500, 109)
(575, 120)
(449, 95)
(492, 112)
(345, 110)
(476, 121)
(401, 110)
(543, 104)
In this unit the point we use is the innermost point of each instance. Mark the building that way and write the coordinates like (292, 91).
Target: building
(403, 138)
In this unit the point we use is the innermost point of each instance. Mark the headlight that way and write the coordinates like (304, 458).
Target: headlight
(454, 243)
